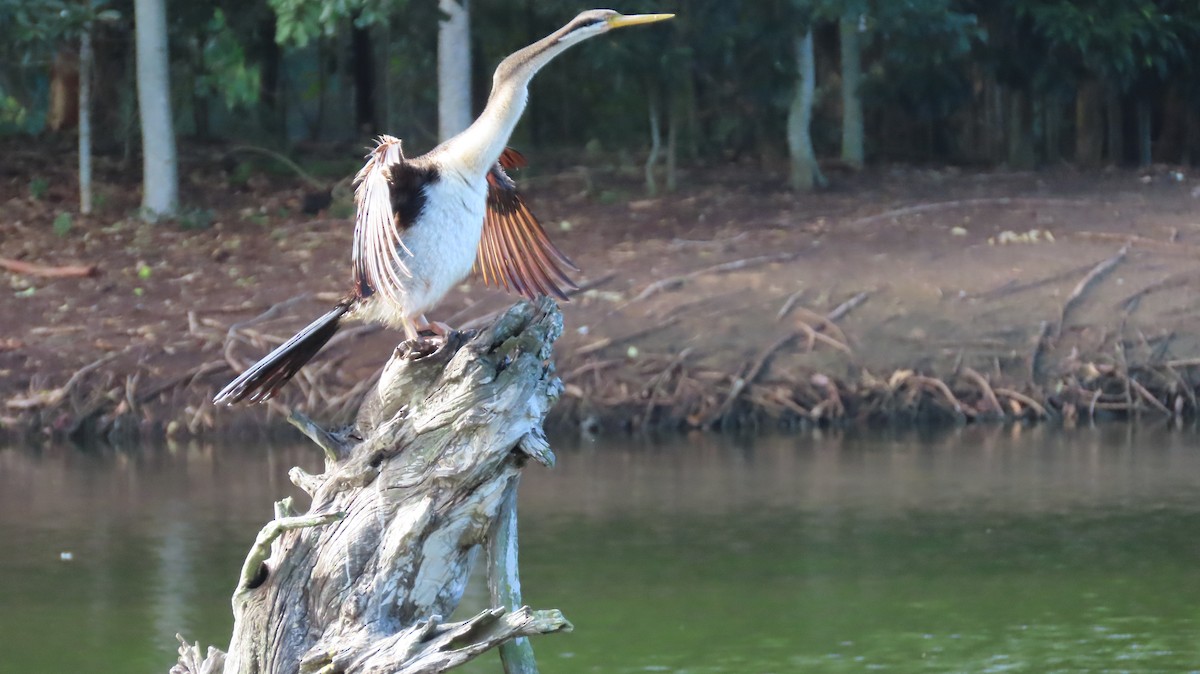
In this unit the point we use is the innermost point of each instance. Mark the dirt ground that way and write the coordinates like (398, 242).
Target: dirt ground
(898, 293)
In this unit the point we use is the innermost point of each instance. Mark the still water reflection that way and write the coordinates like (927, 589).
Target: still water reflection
(984, 549)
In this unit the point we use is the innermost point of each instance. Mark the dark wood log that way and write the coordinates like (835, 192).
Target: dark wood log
(425, 477)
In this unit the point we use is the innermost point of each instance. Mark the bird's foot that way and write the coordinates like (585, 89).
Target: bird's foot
(416, 349)
(431, 336)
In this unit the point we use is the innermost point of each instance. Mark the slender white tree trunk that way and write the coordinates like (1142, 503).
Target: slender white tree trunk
(806, 175)
(852, 109)
(454, 68)
(160, 182)
(85, 120)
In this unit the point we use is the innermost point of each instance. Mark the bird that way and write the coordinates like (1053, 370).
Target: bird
(423, 223)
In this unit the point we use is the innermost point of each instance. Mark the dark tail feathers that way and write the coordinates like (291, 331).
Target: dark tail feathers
(268, 375)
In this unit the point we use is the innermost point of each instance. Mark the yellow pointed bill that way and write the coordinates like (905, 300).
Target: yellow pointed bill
(636, 19)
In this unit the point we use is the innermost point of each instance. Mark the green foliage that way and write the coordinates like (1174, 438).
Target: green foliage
(196, 218)
(48, 23)
(925, 49)
(30, 32)
(1116, 39)
(719, 77)
(38, 187)
(224, 67)
(62, 223)
(300, 21)
(241, 174)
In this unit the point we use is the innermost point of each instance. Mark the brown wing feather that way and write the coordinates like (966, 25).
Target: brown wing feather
(514, 252)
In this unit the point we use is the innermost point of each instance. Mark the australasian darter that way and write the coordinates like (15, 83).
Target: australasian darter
(423, 223)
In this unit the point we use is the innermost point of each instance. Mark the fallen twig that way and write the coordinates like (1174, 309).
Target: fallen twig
(789, 303)
(271, 312)
(606, 342)
(1130, 303)
(1092, 277)
(965, 203)
(182, 380)
(1148, 396)
(814, 337)
(1024, 400)
(750, 376)
(985, 388)
(939, 386)
(735, 265)
(849, 305)
(1039, 349)
(656, 384)
(1144, 242)
(1012, 287)
(55, 396)
(822, 323)
(30, 269)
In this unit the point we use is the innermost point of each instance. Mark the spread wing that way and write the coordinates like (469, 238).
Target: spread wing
(389, 195)
(514, 251)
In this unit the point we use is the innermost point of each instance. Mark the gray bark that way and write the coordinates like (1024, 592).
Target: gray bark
(454, 68)
(160, 183)
(852, 109)
(806, 175)
(86, 60)
(655, 141)
(425, 476)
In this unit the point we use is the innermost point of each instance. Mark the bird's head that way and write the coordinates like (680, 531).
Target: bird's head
(596, 21)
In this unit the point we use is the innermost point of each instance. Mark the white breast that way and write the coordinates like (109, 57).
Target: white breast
(441, 245)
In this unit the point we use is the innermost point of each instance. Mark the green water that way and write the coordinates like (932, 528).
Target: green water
(982, 550)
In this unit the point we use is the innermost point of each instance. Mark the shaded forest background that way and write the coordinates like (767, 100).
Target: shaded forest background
(1021, 83)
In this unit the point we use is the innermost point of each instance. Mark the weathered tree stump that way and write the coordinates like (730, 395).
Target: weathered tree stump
(425, 477)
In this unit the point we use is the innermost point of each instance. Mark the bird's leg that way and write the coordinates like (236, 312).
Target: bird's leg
(420, 345)
(440, 330)
(410, 331)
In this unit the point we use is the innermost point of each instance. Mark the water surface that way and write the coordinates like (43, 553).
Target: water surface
(984, 549)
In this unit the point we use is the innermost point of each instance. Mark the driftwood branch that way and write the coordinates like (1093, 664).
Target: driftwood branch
(426, 475)
(965, 203)
(1088, 281)
(30, 269)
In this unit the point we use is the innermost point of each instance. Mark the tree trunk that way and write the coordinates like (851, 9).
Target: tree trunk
(160, 183)
(655, 139)
(425, 476)
(86, 63)
(62, 111)
(363, 63)
(806, 175)
(1021, 153)
(1089, 124)
(1115, 136)
(1191, 143)
(673, 122)
(1144, 132)
(271, 111)
(1171, 145)
(1051, 109)
(852, 110)
(454, 68)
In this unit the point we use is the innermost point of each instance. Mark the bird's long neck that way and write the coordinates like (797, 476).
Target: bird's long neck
(475, 150)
